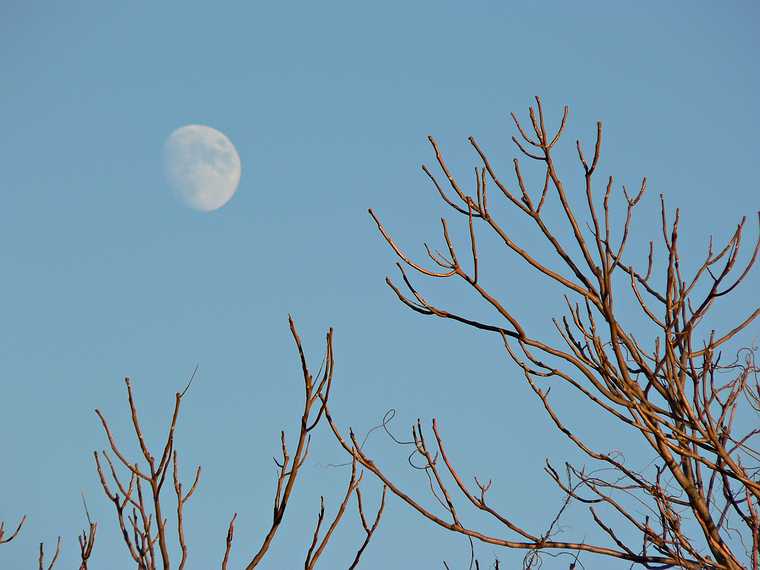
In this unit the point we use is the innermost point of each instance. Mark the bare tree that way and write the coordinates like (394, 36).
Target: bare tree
(674, 387)
(135, 487)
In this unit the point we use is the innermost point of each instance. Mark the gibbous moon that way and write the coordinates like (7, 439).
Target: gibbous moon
(202, 167)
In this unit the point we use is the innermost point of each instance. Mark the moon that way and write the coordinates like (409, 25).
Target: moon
(202, 166)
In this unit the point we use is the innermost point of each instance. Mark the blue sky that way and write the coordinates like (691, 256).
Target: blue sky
(106, 274)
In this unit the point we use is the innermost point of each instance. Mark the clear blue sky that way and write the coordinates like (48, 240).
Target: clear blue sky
(106, 275)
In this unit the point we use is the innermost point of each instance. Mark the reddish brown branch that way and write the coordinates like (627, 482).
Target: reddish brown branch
(14, 534)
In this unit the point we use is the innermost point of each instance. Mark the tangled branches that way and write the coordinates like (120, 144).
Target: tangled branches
(137, 494)
(674, 389)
